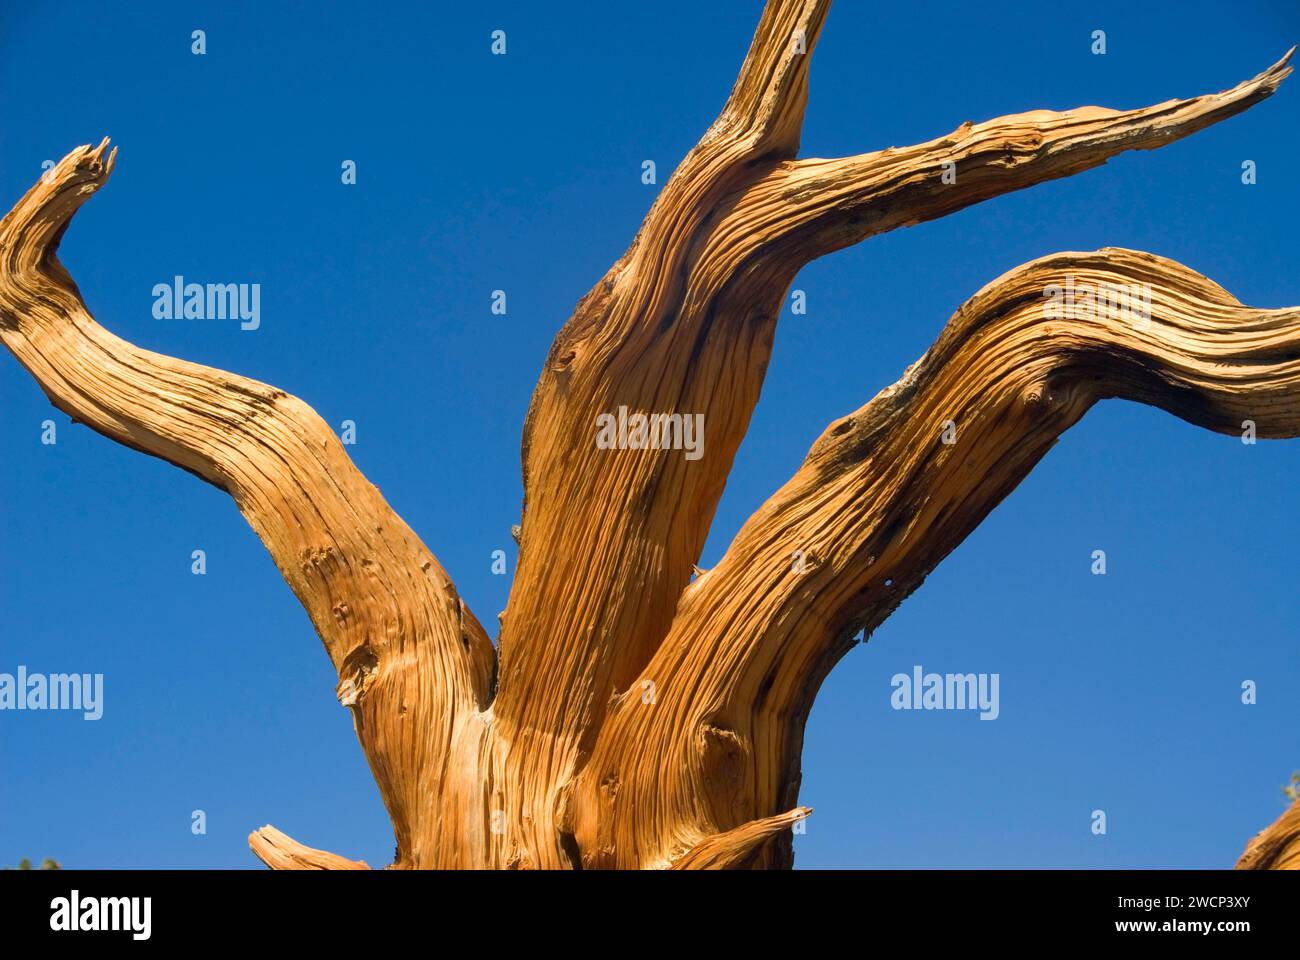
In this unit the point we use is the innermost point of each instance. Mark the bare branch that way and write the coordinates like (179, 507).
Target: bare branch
(882, 498)
(569, 765)
(736, 848)
(808, 208)
(608, 537)
(281, 852)
(409, 654)
(683, 325)
(767, 104)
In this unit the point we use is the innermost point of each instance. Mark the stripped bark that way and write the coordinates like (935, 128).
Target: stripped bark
(551, 757)
(409, 655)
(281, 852)
(880, 500)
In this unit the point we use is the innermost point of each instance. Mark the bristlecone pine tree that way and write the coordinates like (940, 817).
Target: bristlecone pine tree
(631, 715)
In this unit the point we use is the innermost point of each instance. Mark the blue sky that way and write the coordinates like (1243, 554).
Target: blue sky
(522, 173)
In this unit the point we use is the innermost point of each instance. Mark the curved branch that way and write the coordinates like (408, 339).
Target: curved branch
(608, 538)
(682, 325)
(736, 849)
(409, 654)
(807, 208)
(882, 498)
(281, 852)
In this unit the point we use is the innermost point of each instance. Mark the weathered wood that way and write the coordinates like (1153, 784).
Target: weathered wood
(553, 755)
(881, 499)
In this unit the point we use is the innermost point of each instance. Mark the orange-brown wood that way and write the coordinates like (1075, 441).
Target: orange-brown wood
(629, 716)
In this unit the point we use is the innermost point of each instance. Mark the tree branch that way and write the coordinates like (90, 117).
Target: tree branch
(766, 106)
(608, 537)
(281, 852)
(804, 209)
(882, 498)
(570, 764)
(735, 849)
(409, 654)
(683, 325)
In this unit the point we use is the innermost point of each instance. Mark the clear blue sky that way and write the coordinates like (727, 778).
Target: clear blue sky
(523, 173)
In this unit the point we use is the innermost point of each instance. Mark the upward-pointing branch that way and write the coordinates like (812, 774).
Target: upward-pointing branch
(409, 655)
(683, 324)
(806, 208)
(767, 104)
(882, 498)
(694, 302)
(608, 538)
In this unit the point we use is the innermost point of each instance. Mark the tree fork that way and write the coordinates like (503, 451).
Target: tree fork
(545, 756)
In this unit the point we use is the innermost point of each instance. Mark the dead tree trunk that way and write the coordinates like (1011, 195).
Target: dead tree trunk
(629, 716)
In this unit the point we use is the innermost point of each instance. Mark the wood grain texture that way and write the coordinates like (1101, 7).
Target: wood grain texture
(409, 655)
(880, 501)
(545, 752)
(281, 852)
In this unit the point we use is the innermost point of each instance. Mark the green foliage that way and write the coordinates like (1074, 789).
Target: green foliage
(1292, 789)
(46, 864)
